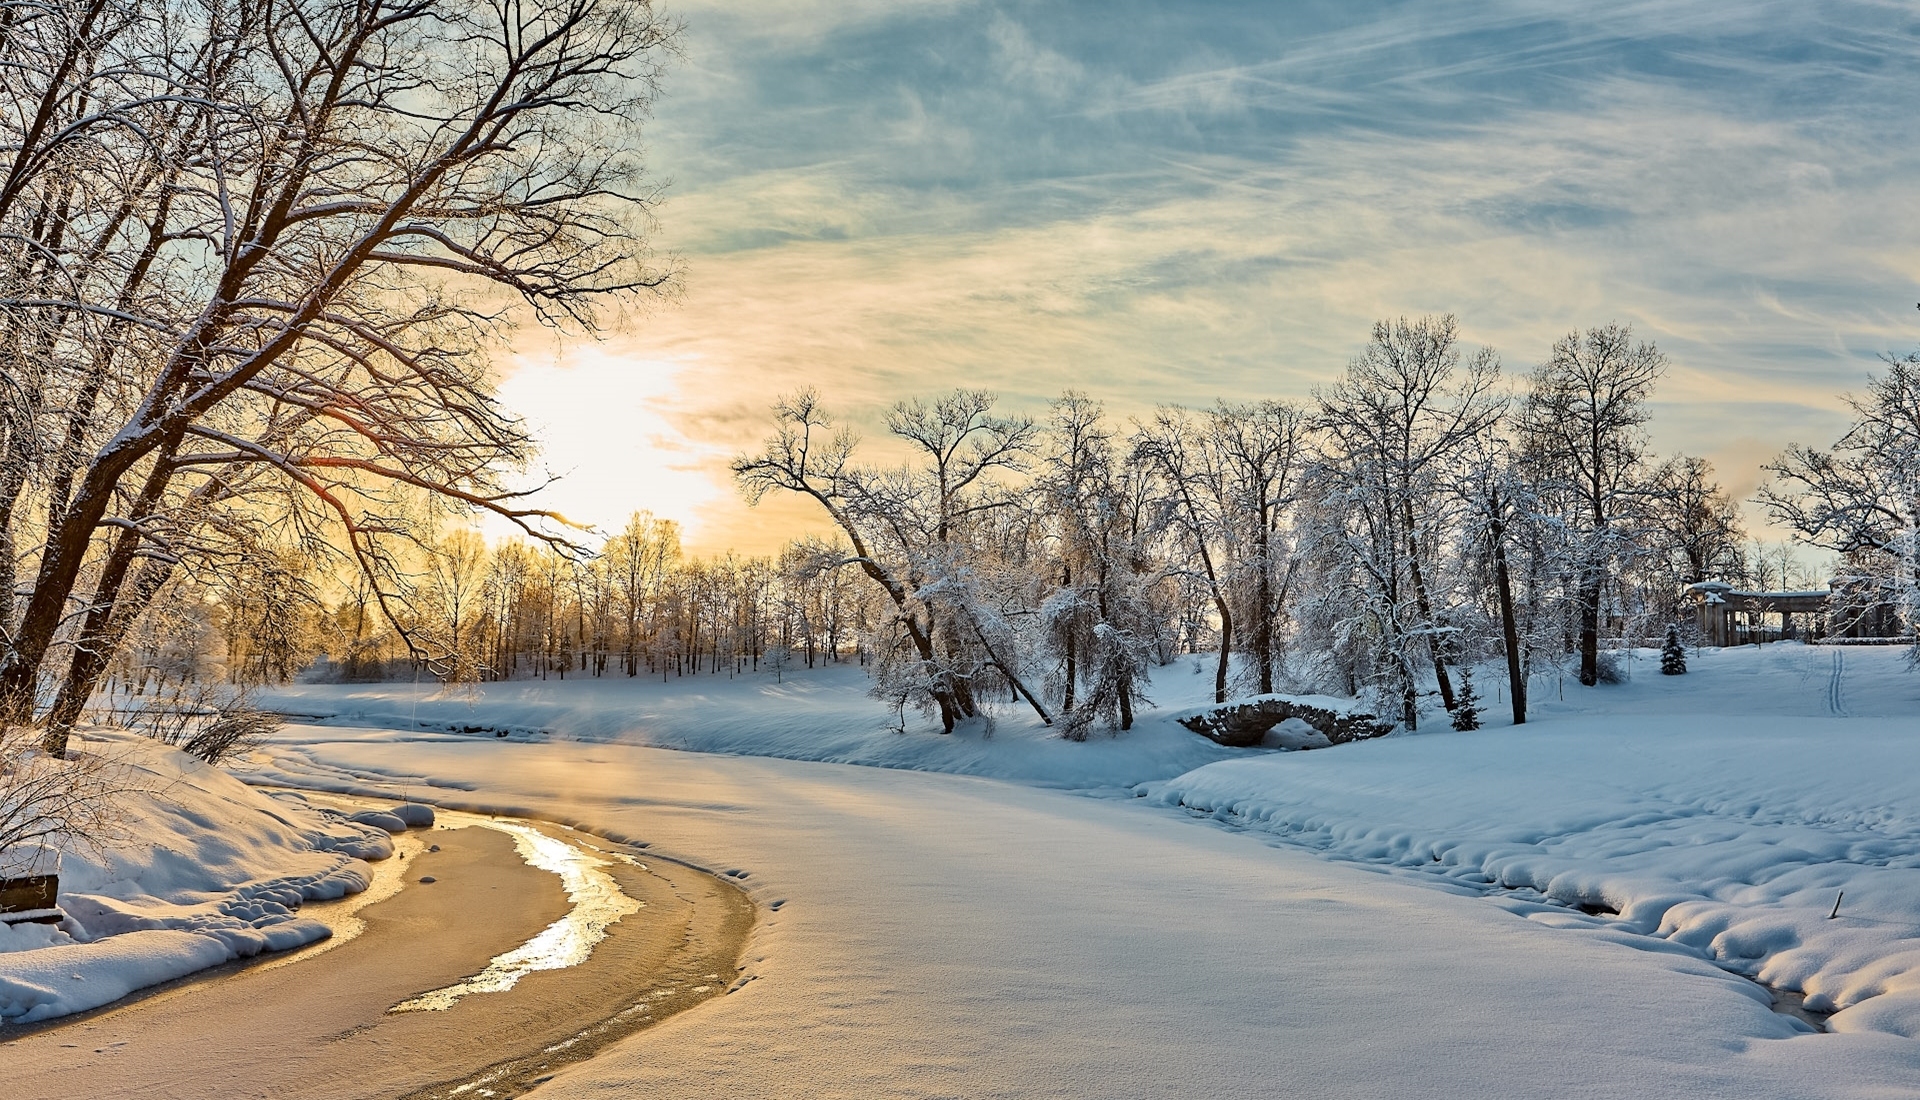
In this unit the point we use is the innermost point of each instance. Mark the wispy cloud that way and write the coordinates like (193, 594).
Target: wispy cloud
(1218, 201)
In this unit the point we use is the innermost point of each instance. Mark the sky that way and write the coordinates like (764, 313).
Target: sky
(1178, 202)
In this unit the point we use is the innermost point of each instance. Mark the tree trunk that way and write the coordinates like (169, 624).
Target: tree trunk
(63, 556)
(1013, 678)
(1263, 611)
(1590, 633)
(1435, 648)
(98, 642)
(1066, 694)
(1509, 629)
(1226, 647)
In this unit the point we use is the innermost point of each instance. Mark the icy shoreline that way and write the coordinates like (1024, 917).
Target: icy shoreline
(1721, 812)
(204, 870)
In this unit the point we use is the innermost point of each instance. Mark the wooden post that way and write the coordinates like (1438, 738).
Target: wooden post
(29, 894)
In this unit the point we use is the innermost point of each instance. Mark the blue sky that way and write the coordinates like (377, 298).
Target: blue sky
(1173, 202)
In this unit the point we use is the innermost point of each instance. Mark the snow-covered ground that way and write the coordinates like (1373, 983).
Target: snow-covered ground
(1727, 810)
(1392, 918)
(824, 715)
(201, 869)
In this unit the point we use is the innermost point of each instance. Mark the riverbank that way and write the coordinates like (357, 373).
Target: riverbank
(323, 1026)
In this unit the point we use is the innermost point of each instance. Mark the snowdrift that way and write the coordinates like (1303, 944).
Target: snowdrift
(203, 869)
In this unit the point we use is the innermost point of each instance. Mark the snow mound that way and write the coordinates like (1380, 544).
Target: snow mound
(204, 870)
(380, 819)
(416, 816)
(74, 977)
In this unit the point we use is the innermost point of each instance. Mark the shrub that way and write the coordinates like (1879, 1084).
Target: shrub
(1466, 709)
(1673, 654)
(210, 721)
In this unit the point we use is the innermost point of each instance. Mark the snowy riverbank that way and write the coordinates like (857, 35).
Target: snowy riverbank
(201, 869)
(1725, 811)
(822, 715)
(1393, 918)
(931, 935)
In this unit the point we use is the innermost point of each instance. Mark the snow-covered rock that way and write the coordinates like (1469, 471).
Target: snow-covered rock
(415, 814)
(380, 819)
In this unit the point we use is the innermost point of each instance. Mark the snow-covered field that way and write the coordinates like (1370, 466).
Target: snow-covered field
(821, 715)
(1392, 918)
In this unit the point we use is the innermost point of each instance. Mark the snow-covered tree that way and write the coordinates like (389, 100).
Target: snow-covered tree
(1583, 426)
(1466, 711)
(1257, 450)
(1192, 499)
(1497, 523)
(911, 530)
(1861, 497)
(1099, 619)
(1409, 410)
(1673, 652)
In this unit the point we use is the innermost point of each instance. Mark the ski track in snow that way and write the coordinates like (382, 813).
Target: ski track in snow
(1836, 702)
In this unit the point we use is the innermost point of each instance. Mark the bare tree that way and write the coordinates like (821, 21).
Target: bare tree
(1098, 617)
(1697, 522)
(1410, 408)
(907, 526)
(1498, 504)
(1861, 497)
(450, 598)
(1259, 448)
(279, 265)
(640, 557)
(1175, 447)
(1583, 424)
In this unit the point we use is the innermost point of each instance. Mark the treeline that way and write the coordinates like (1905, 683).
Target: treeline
(1416, 517)
(635, 606)
(1420, 516)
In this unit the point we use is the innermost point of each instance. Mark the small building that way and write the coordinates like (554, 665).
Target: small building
(1853, 608)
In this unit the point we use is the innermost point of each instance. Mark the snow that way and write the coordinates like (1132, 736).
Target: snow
(71, 977)
(204, 870)
(1156, 915)
(930, 935)
(414, 815)
(1725, 810)
(821, 715)
(380, 819)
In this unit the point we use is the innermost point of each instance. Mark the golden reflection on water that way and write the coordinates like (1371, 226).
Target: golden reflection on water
(597, 902)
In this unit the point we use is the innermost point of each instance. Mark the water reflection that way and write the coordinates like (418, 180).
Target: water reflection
(597, 902)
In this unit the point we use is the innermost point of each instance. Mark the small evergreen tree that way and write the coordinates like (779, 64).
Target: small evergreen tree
(1466, 709)
(1673, 655)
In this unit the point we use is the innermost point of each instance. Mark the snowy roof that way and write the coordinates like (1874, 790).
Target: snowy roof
(1711, 591)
